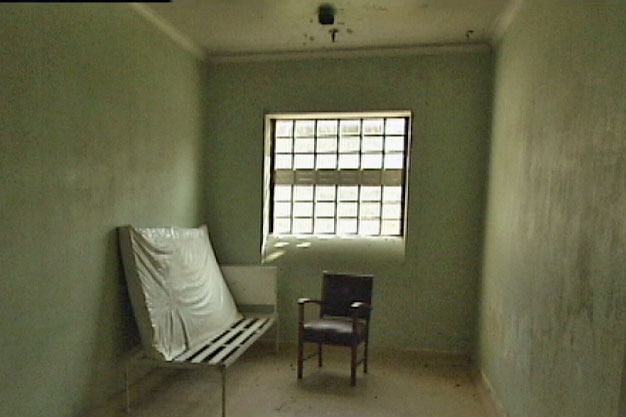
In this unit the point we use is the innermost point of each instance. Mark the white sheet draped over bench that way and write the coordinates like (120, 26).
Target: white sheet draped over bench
(186, 313)
(177, 290)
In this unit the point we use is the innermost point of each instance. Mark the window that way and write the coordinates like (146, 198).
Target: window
(336, 174)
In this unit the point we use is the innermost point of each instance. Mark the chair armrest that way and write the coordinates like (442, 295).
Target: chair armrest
(303, 301)
(301, 304)
(357, 307)
(360, 305)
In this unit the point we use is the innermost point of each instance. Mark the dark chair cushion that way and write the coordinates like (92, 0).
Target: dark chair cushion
(333, 331)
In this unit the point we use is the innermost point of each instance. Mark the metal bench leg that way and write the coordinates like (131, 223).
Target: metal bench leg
(127, 386)
(320, 359)
(223, 371)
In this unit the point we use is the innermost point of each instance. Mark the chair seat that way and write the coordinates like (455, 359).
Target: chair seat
(333, 331)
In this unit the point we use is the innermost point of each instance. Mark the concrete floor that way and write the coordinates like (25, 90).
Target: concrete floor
(263, 383)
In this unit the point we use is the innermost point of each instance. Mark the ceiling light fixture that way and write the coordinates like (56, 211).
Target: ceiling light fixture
(326, 14)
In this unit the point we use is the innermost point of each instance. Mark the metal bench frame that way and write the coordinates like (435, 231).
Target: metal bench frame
(254, 291)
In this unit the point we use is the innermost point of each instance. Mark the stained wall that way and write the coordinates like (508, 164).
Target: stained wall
(553, 298)
(101, 125)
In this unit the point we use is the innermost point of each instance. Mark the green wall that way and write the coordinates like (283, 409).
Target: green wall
(553, 320)
(104, 121)
(426, 300)
(100, 125)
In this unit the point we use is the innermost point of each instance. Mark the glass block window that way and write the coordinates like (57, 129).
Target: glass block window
(341, 174)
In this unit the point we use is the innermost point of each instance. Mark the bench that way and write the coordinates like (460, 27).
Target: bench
(170, 273)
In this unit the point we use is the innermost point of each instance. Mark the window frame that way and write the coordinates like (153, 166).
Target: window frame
(269, 169)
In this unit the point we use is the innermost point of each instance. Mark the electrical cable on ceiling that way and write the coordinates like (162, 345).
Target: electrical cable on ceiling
(326, 16)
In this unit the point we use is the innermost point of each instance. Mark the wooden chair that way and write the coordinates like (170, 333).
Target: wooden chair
(344, 319)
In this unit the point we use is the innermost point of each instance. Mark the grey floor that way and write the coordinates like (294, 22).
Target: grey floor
(263, 383)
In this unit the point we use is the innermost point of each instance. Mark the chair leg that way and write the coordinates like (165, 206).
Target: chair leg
(353, 362)
(223, 371)
(365, 357)
(300, 357)
(319, 355)
(300, 338)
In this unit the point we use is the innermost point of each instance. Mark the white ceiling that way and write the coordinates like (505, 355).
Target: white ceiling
(239, 27)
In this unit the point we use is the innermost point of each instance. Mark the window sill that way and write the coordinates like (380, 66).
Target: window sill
(277, 246)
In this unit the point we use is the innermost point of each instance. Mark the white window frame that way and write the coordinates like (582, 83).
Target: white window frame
(358, 176)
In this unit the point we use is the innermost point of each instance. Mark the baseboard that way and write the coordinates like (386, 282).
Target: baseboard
(488, 397)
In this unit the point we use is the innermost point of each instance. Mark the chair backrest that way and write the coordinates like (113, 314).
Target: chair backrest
(341, 290)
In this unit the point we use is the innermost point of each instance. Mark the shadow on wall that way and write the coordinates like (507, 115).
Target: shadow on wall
(115, 330)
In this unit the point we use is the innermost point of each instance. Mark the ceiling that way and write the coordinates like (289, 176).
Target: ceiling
(239, 27)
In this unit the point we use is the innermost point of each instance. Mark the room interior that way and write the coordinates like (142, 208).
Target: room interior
(515, 251)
